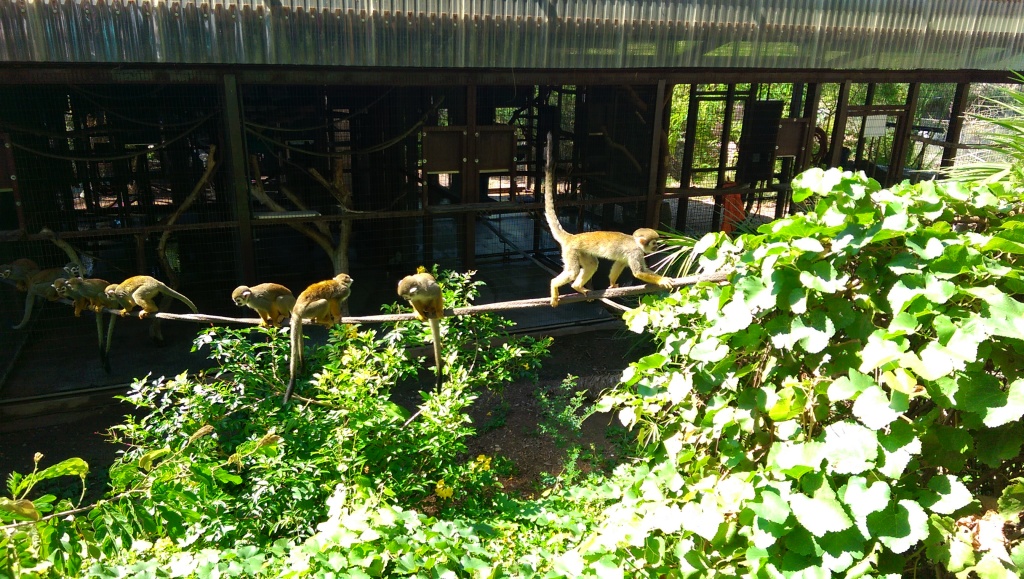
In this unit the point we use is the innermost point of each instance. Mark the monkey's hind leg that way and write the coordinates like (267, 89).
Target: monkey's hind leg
(148, 306)
(588, 266)
(567, 275)
(616, 271)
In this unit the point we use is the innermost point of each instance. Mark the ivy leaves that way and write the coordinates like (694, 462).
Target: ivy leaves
(859, 367)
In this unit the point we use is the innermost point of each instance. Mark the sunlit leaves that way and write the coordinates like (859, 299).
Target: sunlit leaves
(850, 448)
(820, 514)
(901, 526)
(950, 495)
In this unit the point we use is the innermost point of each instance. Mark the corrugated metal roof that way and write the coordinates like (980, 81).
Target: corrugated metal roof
(830, 34)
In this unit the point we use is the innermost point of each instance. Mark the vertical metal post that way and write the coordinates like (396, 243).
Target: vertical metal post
(868, 100)
(904, 126)
(234, 158)
(839, 128)
(656, 176)
(723, 154)
(470, 178)
(956, 123)
(686, 171)
(811, 104)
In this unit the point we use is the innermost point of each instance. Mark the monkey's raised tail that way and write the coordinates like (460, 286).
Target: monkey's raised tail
(295, 360)
(557, 232)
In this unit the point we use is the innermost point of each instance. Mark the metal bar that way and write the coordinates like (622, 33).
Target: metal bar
(235, 158)
(656, 175)
(132, 74)
(689, 145)
(956, 124)
(811, 105)
(717, 211)
(839, 128)
(470, 178)
(868, 101)
(904, 124)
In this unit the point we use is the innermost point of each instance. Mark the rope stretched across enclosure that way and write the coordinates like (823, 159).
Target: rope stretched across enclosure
(618, 292)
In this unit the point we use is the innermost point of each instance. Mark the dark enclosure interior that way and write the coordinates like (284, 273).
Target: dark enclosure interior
(207, 186)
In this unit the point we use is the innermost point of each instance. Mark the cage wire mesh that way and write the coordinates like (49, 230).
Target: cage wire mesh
(376, 181)
(109, 168)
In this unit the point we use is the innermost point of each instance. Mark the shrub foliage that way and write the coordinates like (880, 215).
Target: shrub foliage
(848, 405)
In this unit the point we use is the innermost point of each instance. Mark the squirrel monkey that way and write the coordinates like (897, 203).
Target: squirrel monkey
(19, 271)
(321, 303)
(424, 294)
(580, 251)
(142, 290)
(85, 293)
(39, 285)
(90, 293)
(272, 301)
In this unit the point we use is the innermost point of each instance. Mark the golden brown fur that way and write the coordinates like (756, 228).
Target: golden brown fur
(580, 251)
(85, 293)
(90, 293)
(423, 292)
(39, 285)
(321, 304)
(19, 271)
(142, 291)
(273, 302)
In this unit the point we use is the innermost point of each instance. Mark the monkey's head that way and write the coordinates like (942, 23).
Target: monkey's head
(344, 279)
(111, 291)
(73, 270)
(61, 286)
(5, 271)
(647, 239)
(241, 295)
(412, 285)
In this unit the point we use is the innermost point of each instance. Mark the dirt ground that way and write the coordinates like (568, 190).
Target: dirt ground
(506, 423)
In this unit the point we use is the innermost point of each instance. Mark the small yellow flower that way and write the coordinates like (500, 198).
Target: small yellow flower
(483, 462)
(442, 490)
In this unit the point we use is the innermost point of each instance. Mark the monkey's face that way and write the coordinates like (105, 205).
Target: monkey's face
(5, 272)
(60, 285)
(241, 295)
(72, 270)
(648, 239)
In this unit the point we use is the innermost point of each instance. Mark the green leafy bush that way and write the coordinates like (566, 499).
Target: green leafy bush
(217, 465)
(850, 402)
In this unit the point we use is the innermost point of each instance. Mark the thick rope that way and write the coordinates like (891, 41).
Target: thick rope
(618, 292)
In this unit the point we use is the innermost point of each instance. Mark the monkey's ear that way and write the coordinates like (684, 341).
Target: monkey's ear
(246, 293)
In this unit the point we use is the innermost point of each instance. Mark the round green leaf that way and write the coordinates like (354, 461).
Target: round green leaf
(819, 515)
(850, 448)
(900, 526)
(874, 409)
(950, 495)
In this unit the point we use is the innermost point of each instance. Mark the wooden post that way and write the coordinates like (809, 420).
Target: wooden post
(470, 179)
(904, 126)
(956, 123)
(237, 176)
(839, 125)
(656, 176)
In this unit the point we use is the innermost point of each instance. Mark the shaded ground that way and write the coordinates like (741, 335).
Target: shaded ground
(506, 423)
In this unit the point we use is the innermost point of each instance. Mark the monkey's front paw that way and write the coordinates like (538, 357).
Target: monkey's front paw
(123, 313)
(666, 283)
